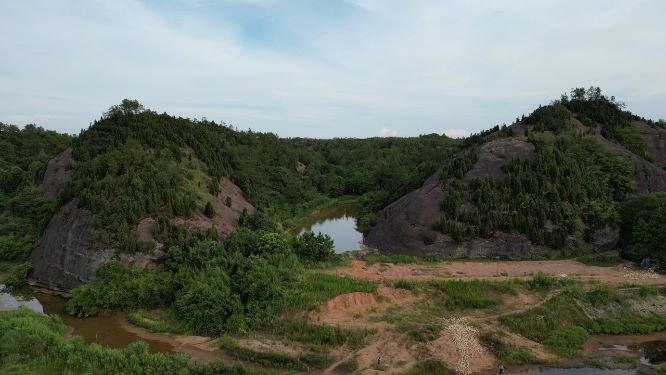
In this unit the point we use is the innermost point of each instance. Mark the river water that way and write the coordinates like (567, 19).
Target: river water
(104, 330)
(338, 222)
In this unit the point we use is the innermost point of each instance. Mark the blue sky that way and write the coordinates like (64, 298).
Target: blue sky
(355, 68)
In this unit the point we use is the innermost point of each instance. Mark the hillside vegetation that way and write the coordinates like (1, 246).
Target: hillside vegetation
(24, 211)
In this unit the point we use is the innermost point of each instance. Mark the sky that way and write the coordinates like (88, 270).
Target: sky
(326, 68)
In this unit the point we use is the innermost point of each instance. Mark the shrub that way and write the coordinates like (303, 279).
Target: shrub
(17, 275)
(347, 367)
(594, 363)
(567, 340)
(319, 361)
(647, 290)
(429, 238)
(209, 210)
(227, 201)
(601, 295)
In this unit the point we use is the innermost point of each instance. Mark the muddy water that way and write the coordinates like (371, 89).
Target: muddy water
(338, 222)
(103, 330)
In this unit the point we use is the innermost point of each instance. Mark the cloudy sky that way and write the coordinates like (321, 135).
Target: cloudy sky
(326, 68)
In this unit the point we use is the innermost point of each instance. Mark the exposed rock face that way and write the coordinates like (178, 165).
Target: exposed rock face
(68, 256)
(605, 239)
(57, 172)
(411, 217)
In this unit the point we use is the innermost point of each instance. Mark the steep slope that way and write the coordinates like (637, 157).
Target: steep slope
(460, 213)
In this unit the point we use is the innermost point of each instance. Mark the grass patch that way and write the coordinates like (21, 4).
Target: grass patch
(266, 359)
(425, 313)
(602, 295)
(627, 359)
(406, 284)
(314, 288)
(470, 294)
(159, 322)
(347, 367)
(323, 335)
(430, 367)
(507, 353)
(594, 363)
(600, 259)
(551, 321)
(315, 360)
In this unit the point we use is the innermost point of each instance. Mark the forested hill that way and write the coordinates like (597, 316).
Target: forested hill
(136, 183)
(547, 184)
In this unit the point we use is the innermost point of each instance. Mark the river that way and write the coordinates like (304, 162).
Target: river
(105, 330)
(338, 222)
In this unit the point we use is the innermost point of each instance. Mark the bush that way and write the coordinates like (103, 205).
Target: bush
(647, 290)
(468, 294)
(209, 210)
(268, 359)
(602, 295)
(17, 275)
(567, 340)
(541, 281)
(506, 352)
(429, 238)
(316, 360)
(347, 367)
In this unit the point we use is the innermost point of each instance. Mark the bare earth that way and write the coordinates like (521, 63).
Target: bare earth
(398, 351)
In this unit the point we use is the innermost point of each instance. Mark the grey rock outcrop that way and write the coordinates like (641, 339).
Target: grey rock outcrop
(68, 256)
(408, 219)
(57, 172)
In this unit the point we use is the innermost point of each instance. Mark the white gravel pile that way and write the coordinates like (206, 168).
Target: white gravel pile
(465, 338)
(641, 275)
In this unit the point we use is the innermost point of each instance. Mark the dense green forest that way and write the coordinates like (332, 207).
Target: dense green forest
(213, 288)
(571, 187)
(24, 156)
(134, 162)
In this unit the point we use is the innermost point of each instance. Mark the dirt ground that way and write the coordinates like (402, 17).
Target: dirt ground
(614, 276)
(379, 311)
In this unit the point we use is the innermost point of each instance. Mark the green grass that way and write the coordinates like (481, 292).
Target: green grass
(315, 360)
(347, 367)
(627, 359)
(314, 288)
(267, 359)
(470, 294)
(546, 322)
(161, 322)
(407, 284)
(323, 335)
(507, 353)
(600, 259)
(594, 363)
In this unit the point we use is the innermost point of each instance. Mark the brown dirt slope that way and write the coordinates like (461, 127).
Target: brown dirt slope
(53, 177)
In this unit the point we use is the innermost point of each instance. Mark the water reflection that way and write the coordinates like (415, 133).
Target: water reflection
(338, 222)
(103, 330)
(655, 351)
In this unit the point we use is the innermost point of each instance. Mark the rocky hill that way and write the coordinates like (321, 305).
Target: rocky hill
(421, 223)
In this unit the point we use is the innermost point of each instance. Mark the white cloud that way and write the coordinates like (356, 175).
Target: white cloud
(387, 133)
(301, 70)
(456, 133)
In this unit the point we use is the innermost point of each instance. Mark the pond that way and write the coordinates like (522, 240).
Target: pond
(338, 222)
(103, 330)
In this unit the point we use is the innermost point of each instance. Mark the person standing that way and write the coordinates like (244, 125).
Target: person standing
(379, 361)
(501, 370)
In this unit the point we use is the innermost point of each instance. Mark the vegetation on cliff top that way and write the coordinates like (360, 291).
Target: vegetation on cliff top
(24, 156)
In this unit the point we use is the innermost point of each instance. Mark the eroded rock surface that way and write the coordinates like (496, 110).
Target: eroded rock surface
(59, 171)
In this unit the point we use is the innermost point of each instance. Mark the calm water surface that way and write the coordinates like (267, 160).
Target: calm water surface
(338, 222)
(103, 330)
